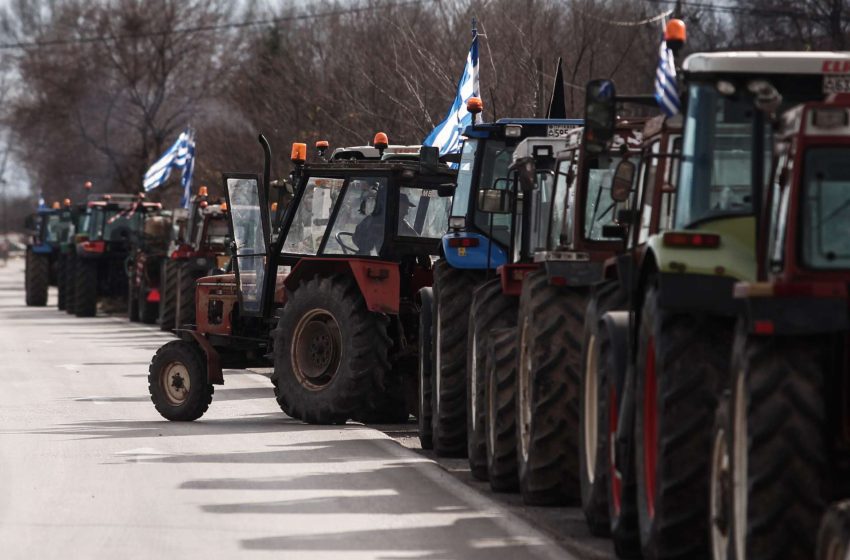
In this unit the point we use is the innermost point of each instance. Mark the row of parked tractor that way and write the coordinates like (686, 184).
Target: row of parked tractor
(642, 315)
(123, 248)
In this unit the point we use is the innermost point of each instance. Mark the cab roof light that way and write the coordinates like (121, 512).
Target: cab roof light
(299, 153)
(322, 147)
(829, 118)
(474, 105)
(223, 206)
(691, 240)
(274, 206)
(675, 34)
(67, 202)
(513, 131)
(202, 191)
(56, 205)
(87, 185)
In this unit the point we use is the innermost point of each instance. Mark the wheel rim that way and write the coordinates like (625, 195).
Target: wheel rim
(739, 467)
(473, 382)
(523, 386)
(650, 428)
(176, 383)
(718, 497)
(316, 349)
(591, 420)
(615, 476)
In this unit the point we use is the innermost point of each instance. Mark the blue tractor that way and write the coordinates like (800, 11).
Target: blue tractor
(476, 244)
(47, 228)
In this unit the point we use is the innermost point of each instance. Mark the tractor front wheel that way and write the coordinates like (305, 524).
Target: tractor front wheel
(85, 288)
(168, 295)
(70, 282)
(426, 370)
(177, 382)
(329, 350)
(61, 281)
(37, 279)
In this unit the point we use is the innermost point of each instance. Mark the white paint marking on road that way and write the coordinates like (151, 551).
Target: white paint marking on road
(70, 367)
(143, 451)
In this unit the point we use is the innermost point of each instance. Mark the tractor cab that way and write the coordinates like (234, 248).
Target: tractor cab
(111, 221)
(47, 227)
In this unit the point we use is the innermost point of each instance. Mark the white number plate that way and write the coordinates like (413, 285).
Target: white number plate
(558, 130)
(836, 84)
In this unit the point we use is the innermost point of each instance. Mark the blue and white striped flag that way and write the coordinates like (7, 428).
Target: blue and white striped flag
(179, 156)
(446, 136)
(186, 160)
(666, 93)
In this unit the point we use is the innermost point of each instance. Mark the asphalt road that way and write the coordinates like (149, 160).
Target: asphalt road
(88, 469)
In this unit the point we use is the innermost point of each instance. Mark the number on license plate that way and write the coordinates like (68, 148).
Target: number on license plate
(836, 84)
(558, 130)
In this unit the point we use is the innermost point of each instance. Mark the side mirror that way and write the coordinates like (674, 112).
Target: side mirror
(600, 113)
(494, 201)
(621, 184)
(526, 175)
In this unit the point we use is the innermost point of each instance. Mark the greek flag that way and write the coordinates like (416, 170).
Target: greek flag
(180, 155)
(665, 82)
(447, 134)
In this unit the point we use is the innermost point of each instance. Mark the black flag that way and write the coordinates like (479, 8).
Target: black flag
(558, 103)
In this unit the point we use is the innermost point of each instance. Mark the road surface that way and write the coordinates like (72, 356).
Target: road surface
(88, 469)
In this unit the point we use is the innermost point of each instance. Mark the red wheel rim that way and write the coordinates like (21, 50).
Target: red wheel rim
(616, 478)
(650, 427)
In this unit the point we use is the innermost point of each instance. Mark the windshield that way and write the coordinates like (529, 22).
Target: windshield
(494, 165)
(312, 216)
(826, 208)
(561, 219)
(460, 206)
(114, 224)
(359, 225)
(542, 210)
(422, 213)
(716, 170)
(53, 230)
(600, 208)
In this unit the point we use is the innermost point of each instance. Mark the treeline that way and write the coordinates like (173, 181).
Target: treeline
(101, 87)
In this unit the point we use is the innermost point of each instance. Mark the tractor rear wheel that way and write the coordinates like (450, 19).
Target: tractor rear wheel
(490, 309)
(329, 350)
(187, 276)
(682, 364)
(85, 288)
(61, 281)
(168, 295)
(37, 279)
(426, 370)
(779, 447)
(834, 533)
(500, 421)
(593, 428)
(132, 300)
(548, 382)
(70, 282)
(452, 296)
(177, 381)
(148, 310)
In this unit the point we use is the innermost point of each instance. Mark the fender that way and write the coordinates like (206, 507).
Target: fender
(214, 373)
(472, 257)
(802, 308)
(43, 249)
(379, 281)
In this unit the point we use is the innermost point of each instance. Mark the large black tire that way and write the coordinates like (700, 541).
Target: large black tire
(168, 295)
(61, 281)
(490, 309)
(593, 427)
(132, 300)
(779, 421)
(329, 351)
(834, 533)
(148, 310)
(37, 279)
(187, 275)
(85, 287)
(550, 327)
(387, 405)
(452, 297)
(175, 366)
(682, 366)
(70, 283)
(426, 371)
(500, 422)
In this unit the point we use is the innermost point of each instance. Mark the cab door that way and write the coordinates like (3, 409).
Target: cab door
(248, 220)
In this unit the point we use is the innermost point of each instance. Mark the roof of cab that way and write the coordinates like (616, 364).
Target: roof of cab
(769, 62)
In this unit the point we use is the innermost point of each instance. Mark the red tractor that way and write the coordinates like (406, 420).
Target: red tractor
(782, 439)
(144, 266)
(328, 299)
(200, 245)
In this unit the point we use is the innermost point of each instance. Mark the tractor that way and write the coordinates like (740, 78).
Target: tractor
(48, 226)
(148, 253)
(681, 312)
(328, 299)
(102, 248)
(200, 245)
(476, 244)
(781, 442)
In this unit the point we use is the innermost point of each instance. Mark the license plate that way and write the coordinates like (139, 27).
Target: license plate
(836, 84)
(558, 130)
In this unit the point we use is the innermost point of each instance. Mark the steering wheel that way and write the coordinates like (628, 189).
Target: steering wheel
(346, 249)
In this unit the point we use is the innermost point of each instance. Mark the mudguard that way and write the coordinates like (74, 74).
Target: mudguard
(474, 258)
(379, 281)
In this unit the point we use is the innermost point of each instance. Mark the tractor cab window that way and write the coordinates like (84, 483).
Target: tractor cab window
(600, 208)
(460, 205)
(494, 165)
(360, 221)
(52, 228)
(557, 229)
(114, 224)
(312, 216)
(422, 213)
(716, 169)
(649, 178)
(826, 208)
(542, 209)
(218, 233)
